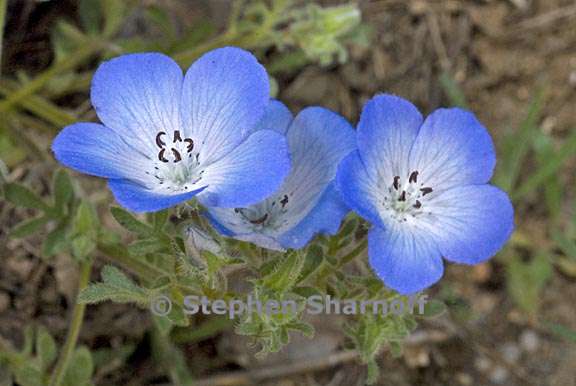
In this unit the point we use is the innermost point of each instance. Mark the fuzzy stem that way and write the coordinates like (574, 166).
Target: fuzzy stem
(74, 330)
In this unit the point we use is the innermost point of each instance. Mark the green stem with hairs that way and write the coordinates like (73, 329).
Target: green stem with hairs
(74, 330)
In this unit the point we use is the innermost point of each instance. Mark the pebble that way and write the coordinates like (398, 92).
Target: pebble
(511, 352)
(529, 341)
(464, 379)
(482, 364)
(498, 375)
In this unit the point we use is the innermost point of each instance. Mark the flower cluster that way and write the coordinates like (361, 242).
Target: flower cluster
(276, 180)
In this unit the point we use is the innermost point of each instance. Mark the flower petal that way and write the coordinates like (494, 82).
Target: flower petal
(318, 139)
(405, 260)
(470, 223)
(96, 150)
(324, 218)
(229, 224)
(137, 198)
(248, 174)
(357, 188)
(453, 148)
(277, 117)
(224, 96)
(386, 131)
(137, 96)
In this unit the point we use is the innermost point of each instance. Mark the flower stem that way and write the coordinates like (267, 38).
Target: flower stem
(72, 337)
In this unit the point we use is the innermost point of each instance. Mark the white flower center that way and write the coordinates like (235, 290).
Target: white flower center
(176, 166)
(267, 215)
(405, 199)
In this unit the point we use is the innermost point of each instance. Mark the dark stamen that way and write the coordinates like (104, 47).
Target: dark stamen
(161, 155)
(402, 196)
(177, 137)
(413, 177)
(284, 201)
(177, 156)
(396, 183)
(190, 144)
(417, 205)
(236, 210)
(260, 220)
(159, 141)
(425, 191)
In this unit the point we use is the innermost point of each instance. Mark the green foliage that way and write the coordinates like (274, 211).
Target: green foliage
(526, 280)
(31, 365)
(115, 286)
(80, 369)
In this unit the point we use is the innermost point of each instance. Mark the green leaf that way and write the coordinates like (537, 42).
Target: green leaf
(527, 279)
(160, 218)
(28, 375)
(63, 191)
(22, 196)
(55, 242)
(114, 12)
(145, 246)
(548, 169)
(432, 309)
(517, 145)
(313, 259)
(131, 223)
(285, 273)
(27, 227)
(453, 90)
(45, 347)
(86, 221)
(80, 369)
(305, 328)
(83, 246)
(90, 12)
(115, 286)
(562, 331)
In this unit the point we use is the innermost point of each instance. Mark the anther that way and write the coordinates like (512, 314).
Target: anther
(159, 141)
(190, 144)
(402, 196)
(161, 155)
(260, 220)
(413, 177)
(177, 156)
(417, 205)
(425, 191)
(284, 201)
(396, 183)
(177, 137)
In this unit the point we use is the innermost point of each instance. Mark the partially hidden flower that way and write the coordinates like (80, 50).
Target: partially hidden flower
(166, 137)
(307, 202)
(423, 184)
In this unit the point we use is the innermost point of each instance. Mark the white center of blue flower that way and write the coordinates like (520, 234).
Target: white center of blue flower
(405, 199)
(267, 215)
(176, 167)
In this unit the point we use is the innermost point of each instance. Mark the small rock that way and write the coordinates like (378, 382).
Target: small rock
(498, 375)
(464, 379)
(483, 364)
(529, 341)
(511, 352)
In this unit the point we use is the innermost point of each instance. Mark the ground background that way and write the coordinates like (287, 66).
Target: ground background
(512, 62)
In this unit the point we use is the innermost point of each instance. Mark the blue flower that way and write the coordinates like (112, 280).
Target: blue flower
(307, 203)
(424, 187)
(166, 137)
